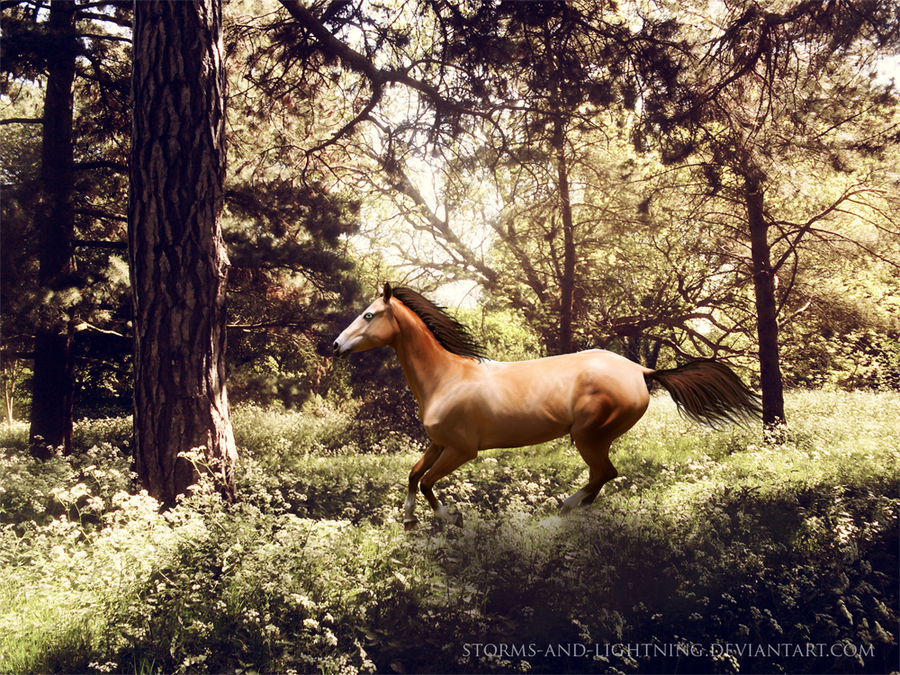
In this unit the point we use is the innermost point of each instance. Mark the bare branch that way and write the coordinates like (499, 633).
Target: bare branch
(84, 325)
(377, 92)
(108, 38)
(22, 120)
(801, 231)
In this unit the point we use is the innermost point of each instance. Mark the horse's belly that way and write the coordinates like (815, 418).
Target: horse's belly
(481, 418)
(516, 433)
(513, 416)
(480, 425)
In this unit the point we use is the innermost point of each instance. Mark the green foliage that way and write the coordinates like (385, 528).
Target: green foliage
(860, 359)
(852, 337)
(709, 541)
(504, 333)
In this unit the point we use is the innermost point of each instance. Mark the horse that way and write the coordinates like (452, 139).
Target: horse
(469, 403)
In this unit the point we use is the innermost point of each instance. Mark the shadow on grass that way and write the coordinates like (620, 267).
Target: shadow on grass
(784, 581)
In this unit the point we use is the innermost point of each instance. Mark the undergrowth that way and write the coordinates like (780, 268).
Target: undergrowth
(712, 552)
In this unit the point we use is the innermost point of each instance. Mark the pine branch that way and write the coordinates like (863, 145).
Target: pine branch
(378, 77)
(91, 243)
(102, 164)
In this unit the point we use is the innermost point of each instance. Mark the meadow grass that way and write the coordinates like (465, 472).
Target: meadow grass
(712, 552)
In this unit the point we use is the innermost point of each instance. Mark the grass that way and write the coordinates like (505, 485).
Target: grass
(712, 552)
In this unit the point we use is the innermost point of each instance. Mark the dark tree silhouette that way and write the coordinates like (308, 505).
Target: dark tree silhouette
(72, 195)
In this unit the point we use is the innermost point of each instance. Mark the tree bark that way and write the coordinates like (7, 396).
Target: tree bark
(178, 259)
(53, 384)
(567, 282)
(766, 306)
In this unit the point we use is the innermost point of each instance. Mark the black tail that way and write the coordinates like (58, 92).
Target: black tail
(710, 393)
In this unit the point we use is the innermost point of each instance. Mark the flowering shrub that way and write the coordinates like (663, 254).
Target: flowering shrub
(712, 552)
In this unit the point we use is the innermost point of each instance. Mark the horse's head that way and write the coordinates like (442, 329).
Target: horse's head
(375, 327)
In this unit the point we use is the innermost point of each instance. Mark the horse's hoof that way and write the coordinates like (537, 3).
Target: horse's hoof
(456, 519)
(410, 524)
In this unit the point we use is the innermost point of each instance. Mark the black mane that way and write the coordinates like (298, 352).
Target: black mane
(450, 333)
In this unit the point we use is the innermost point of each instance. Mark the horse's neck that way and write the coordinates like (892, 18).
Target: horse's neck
(424, 361)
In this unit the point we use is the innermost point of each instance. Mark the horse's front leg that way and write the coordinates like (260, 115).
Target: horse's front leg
(419, 469)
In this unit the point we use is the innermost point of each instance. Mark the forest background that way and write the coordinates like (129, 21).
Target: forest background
(665, 180)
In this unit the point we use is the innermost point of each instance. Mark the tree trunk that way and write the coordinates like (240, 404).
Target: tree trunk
(9, 373)
(766, 307)
(567, 283)
(53, 384)
(178, 259)
(651, 353)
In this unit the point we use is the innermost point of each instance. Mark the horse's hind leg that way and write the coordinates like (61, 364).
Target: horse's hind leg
(589, 499)
(450, 460)
(601, 421)
(419, 468)
(596, 456)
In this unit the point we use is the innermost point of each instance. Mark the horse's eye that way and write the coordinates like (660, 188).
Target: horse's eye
(368, 315)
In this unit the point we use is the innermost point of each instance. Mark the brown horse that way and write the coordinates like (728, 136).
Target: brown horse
(468, 403)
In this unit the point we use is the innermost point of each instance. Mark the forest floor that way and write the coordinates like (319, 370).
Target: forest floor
(713, 552)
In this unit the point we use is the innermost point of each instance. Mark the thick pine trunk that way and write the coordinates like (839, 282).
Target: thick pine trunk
(53, 384)
(766, 307)
(178, 259)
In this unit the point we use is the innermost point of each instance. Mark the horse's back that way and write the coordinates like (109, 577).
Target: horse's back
(598, 367)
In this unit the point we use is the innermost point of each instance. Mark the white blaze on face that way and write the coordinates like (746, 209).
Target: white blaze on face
(347, 341)
(360, 334)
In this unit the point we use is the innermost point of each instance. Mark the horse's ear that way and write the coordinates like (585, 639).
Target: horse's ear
(387, 291)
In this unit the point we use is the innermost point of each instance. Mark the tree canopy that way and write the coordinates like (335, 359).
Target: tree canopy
(666, 180)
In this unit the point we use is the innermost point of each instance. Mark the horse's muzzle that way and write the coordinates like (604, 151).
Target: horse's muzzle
(336, 349)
